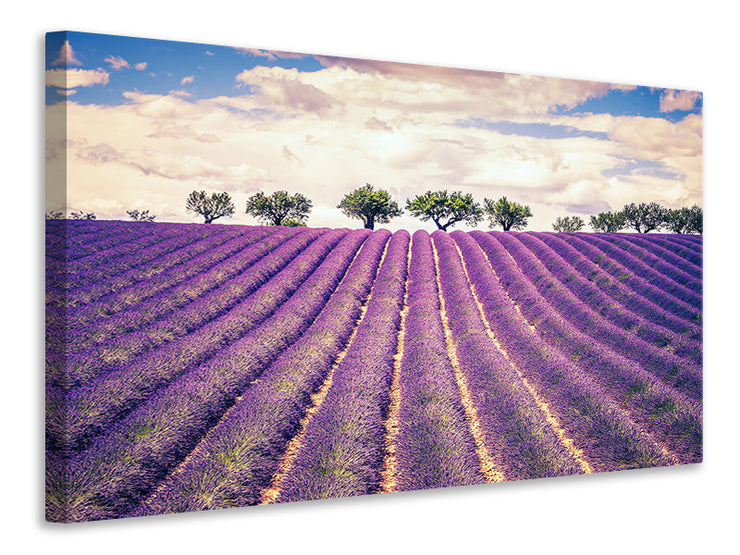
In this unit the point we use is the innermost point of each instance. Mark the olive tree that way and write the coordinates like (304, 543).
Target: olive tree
(140, 215)
(445, 209)
(279, 208)
(568, 224)
(211, 208)
(369, 205)
(644, 217)
(509, 215)
(608, 222)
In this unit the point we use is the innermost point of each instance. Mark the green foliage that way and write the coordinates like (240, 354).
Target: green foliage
(370, 206)
(80, 215)
(569, 224)
(293, 223)
(55, 215)
(211, 208)
(140, 215)
(445, 209)
(644, 217)
(685, 220)
(509, 215)
(279, 208)
(608, 222)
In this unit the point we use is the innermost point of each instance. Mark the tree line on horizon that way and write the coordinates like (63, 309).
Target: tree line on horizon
(374, 206)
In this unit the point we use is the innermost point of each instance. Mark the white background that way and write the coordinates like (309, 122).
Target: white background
(668, 44)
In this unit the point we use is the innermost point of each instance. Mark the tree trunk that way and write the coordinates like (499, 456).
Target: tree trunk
(370, 223)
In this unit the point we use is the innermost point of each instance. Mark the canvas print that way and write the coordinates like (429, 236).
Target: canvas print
(276, 277)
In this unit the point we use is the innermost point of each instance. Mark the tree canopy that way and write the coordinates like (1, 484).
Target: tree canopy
(80, 215)
(509, 215)
(644, 217)
(569, 224)
(445, 209)
(608, 222)
(279, 208)
(140, 215)
(685, 220)
(370, 205)
(211, 208)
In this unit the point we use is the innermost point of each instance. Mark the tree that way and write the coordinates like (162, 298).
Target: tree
(55, 215)
(568, 224)
(608, 222)
(140, 216)
(211, 208)
(80, 215)
(509, 215)
(696, 220)
(644, 217)
(677, 221)
(445, 209)
(279, 208)
(370, 206)
(685, 220)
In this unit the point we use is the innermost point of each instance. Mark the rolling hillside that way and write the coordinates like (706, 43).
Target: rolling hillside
(195, 367)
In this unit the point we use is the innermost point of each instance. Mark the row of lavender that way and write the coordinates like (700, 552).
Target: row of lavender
(522, 355)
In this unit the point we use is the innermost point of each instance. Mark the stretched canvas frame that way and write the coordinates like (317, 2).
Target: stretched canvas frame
(199, 365)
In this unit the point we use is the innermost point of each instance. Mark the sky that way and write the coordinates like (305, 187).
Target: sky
(138, 124)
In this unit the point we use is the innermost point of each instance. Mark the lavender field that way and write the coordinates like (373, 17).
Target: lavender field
(193, 367)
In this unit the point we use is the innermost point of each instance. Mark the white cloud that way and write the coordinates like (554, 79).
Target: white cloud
(186, 80)
(66, 56)
(64, 92)
(116, 62)
(326, 132)
(141, 66)
(672, 100)
(70, 78)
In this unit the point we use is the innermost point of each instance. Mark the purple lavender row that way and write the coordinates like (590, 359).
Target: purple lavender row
(670, 251)
(343, 448)
(583, 408)
(59, 261)
(671, 417)
(628, 289)
(689, 280)
(684, 242)
(77, 416)
(434, 445)
(113, 241)
(517, 434)
(130, 308)
(237, 459)
(158, 321)
(571, 289)
(670, 369)
(139, 451)
(609, 254)
(70, 240)
(67, 280)
(150, 442)
(109, 265)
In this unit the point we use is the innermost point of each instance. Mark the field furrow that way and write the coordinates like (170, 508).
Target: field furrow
(522, 440)
(342, 449)
(638, 344)
(237, 462)
(128, 335)
(434, 446)
(76, 416)
(626, 288)
(622, 249)
(193, 367)
(668, 416)
(678, 299)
